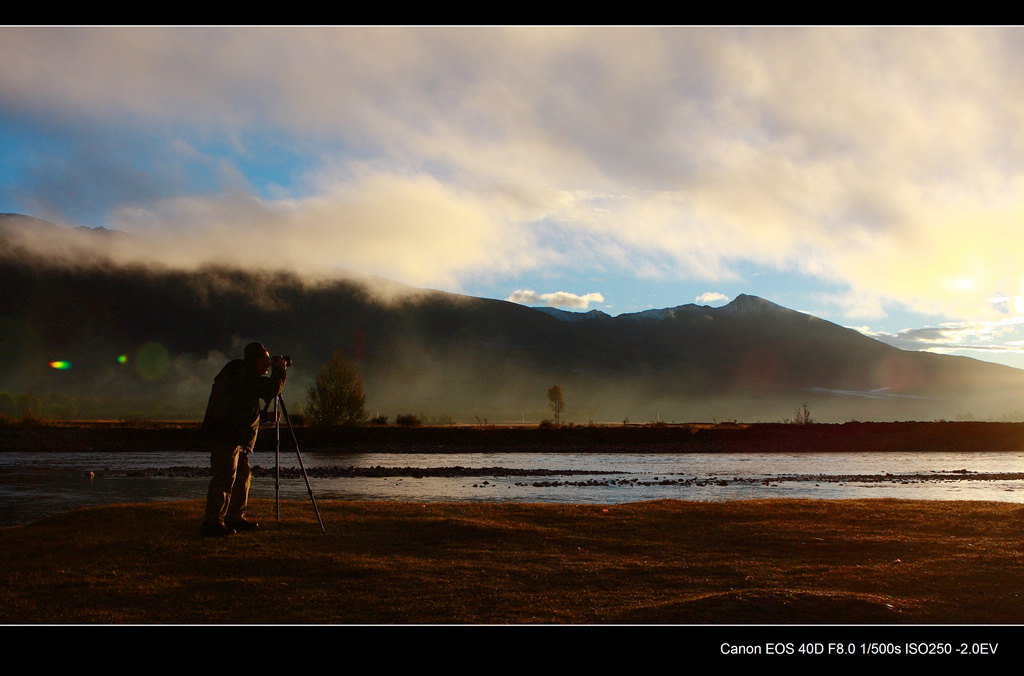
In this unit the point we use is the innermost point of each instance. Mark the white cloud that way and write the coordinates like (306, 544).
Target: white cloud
(557, 299)
(412, 228)
(711, 297)
(986, 336)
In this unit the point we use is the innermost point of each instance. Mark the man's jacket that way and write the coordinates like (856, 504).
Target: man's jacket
(233, 412)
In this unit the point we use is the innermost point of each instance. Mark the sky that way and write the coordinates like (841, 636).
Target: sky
(873, 177)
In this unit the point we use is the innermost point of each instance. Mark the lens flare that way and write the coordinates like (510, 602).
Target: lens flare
(152, 361)
(122, 359)
(60, 365)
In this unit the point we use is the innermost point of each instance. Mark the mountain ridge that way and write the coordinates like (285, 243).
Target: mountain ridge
(450, 356)
(741, 304)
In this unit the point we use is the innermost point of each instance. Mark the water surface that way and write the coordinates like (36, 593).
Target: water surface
(35, 485)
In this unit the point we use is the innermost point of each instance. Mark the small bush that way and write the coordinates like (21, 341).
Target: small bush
(801, 416)
(29, 419)
(407, 420)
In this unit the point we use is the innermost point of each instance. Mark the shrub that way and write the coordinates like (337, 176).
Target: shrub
(801, 416)
(407, 420)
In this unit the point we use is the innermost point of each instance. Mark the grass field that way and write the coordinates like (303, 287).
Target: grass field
(764, 562)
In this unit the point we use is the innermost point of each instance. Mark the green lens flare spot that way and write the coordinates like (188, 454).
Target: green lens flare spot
(153, 361)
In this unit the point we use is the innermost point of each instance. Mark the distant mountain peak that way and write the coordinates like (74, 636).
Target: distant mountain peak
(664, 313)
(743, 304)
(23, 235)
(747, 304)
(566, 316)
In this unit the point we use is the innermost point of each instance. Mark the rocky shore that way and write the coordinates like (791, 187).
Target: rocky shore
(608, 478)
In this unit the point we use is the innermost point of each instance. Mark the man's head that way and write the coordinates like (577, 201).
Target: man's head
(257, 357)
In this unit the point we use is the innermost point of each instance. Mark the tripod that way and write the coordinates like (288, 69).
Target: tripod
(279, 402)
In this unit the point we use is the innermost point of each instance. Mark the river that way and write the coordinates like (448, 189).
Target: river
(36, 485)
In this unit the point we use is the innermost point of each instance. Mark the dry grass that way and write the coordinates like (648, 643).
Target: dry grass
(771, 561)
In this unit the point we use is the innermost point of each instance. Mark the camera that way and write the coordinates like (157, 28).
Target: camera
(286, 359)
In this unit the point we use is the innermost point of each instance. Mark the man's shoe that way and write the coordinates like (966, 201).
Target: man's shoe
(215, 530)
(242, 526)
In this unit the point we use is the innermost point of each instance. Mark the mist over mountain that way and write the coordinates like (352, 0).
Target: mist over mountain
(76, 296)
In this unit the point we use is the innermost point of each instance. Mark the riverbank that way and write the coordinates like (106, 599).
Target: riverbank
(740, 562)
(849, 437)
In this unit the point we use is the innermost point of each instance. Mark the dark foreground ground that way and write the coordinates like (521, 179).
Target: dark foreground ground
(765, 562)
(850, 437)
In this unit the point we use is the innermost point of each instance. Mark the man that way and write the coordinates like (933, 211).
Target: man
(231, 423)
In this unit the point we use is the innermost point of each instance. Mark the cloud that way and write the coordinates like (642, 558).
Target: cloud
(711, 297)
(882, 161)
(557, 299)
(412, 228)
(987, 336)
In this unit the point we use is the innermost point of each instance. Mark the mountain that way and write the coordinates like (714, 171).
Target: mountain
(567, 316)
(27, 236)
(443, 355)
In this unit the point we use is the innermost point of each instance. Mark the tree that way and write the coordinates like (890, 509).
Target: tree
(336, 397)
(556, 401)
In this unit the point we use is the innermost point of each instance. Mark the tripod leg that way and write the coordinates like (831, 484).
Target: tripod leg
(301, 465)
(277, 457)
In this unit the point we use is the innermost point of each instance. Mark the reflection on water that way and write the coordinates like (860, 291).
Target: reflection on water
(35, 485)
